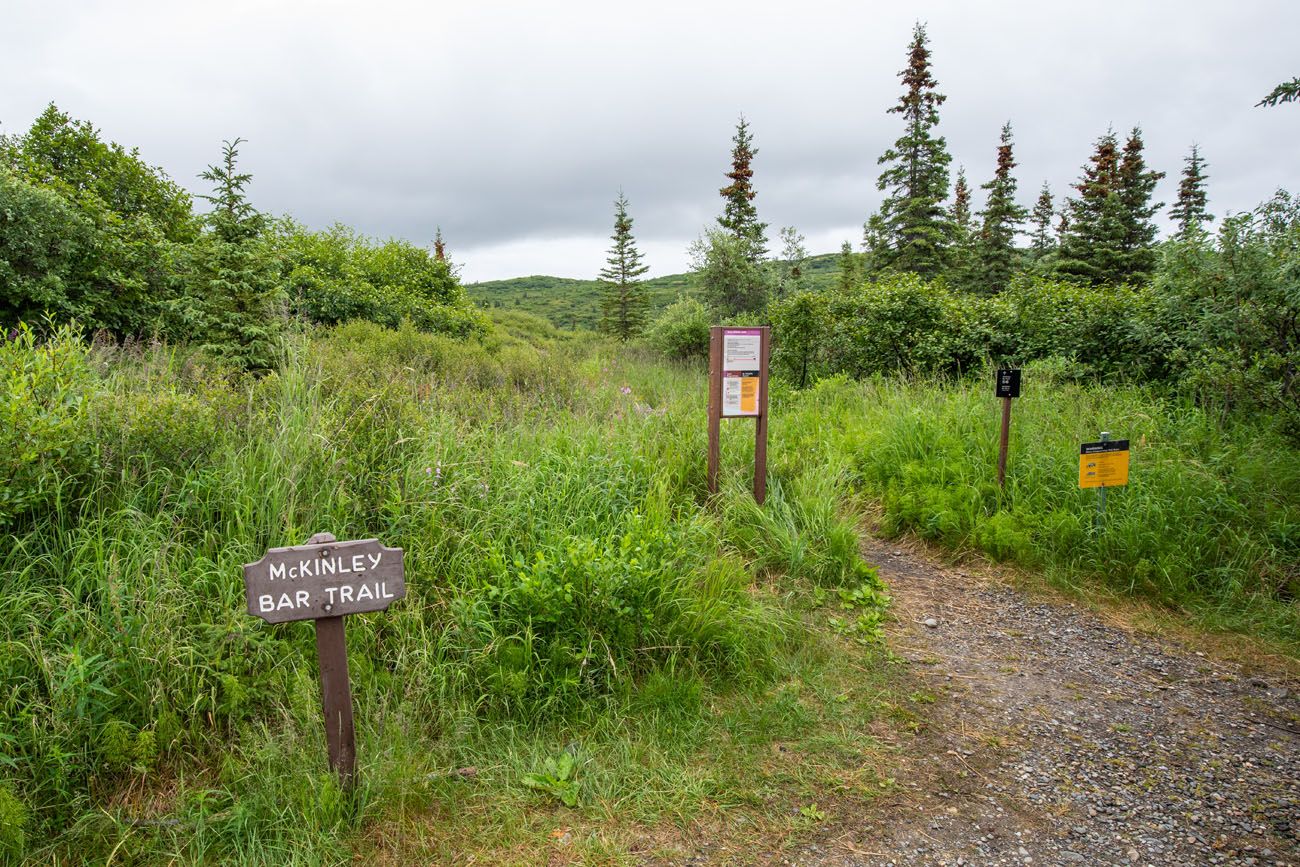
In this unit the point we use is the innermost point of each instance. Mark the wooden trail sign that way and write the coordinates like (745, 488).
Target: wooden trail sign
(324, 581)
(1006, 387)
(308, 582)
(738, 359)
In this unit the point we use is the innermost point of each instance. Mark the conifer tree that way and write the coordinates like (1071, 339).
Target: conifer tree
(916, 227)
(1189, 211)
(1137, 185)
(235, 305)
(961, 254)
(849, 273)
(739, 215)
(1000, 222)
(623, 302)
(1042, 242)
(439, 246)
(1093, 229)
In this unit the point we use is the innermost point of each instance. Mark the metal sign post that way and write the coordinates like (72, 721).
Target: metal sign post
(738, 360)
(324, 581)
(1102, 465)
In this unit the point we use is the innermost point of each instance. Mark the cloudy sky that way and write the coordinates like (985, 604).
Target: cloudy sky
(513, 125)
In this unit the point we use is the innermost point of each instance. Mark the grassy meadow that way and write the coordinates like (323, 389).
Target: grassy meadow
(593, 652)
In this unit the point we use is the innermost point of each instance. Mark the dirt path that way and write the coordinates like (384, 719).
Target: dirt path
(1054, 738)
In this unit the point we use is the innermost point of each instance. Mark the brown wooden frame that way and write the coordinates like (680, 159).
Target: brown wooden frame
(715, 411)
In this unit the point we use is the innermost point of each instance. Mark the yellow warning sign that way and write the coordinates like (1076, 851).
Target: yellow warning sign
(749, 395)
(1104, 465)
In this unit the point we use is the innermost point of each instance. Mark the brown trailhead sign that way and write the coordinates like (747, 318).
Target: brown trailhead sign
(307, 582)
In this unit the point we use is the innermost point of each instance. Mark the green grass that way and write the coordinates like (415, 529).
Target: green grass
(568, 582)
(1209, 523)
(583, 622)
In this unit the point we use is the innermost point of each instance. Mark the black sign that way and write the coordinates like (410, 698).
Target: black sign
(1008, 382)
(306, 582)
(1107, 446)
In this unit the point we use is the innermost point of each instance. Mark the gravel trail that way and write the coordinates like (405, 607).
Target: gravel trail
(1057, 739)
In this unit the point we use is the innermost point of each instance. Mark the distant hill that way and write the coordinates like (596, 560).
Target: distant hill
(571, 303)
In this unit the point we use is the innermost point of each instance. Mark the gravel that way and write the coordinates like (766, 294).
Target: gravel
(1058, 739)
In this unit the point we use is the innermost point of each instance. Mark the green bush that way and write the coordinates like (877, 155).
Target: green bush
(45, 447)
(682, 331)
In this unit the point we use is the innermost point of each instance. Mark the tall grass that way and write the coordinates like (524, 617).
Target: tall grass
(1209, 522)
(571, 586)
(561, 565)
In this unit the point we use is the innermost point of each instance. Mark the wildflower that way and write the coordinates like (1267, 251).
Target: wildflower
(626, 389)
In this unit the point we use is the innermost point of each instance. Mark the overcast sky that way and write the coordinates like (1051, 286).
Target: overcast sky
(513, 125)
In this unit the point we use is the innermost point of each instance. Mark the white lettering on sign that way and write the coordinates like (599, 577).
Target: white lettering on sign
(327, 566)
(330, 579)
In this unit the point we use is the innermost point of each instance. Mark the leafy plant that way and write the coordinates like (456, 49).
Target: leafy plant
(556, 778)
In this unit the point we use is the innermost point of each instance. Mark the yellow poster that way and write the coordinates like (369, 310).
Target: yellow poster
(1107, 469)
(749, 395)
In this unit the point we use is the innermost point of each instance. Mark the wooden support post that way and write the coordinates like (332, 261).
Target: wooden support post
(336, 698)
(1002, 442)
(715, 407)
(336, 689)
(760, 423)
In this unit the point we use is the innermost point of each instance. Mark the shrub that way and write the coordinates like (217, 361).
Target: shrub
(44, 441)
(682, 330)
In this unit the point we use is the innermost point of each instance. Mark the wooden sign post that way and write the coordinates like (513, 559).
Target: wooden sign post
(1006, 387)
(326, 580)
(1102, 465)
(738, 389)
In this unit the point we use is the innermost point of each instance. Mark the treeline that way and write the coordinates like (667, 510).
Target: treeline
(941, 286)
(91, 233)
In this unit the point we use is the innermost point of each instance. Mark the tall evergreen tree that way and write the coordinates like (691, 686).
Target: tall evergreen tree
(916, 227)
(1137, 185)
(1093, 234)
(1041, 238)
(1000, 222)
(739, 215)
(439, 246)
(623, 302)
(1189, 211)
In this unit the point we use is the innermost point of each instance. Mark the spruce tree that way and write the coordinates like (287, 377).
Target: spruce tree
(961, 253)
(916, 227)
(1137, 185)
(1000, 222)
(1093, 232)
(234, 302)
(1189, 211)
(739, 215)
(623, 302)
(849, 273)
(1041, 240)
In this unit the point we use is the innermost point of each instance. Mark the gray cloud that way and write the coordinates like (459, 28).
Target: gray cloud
(513, 125)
